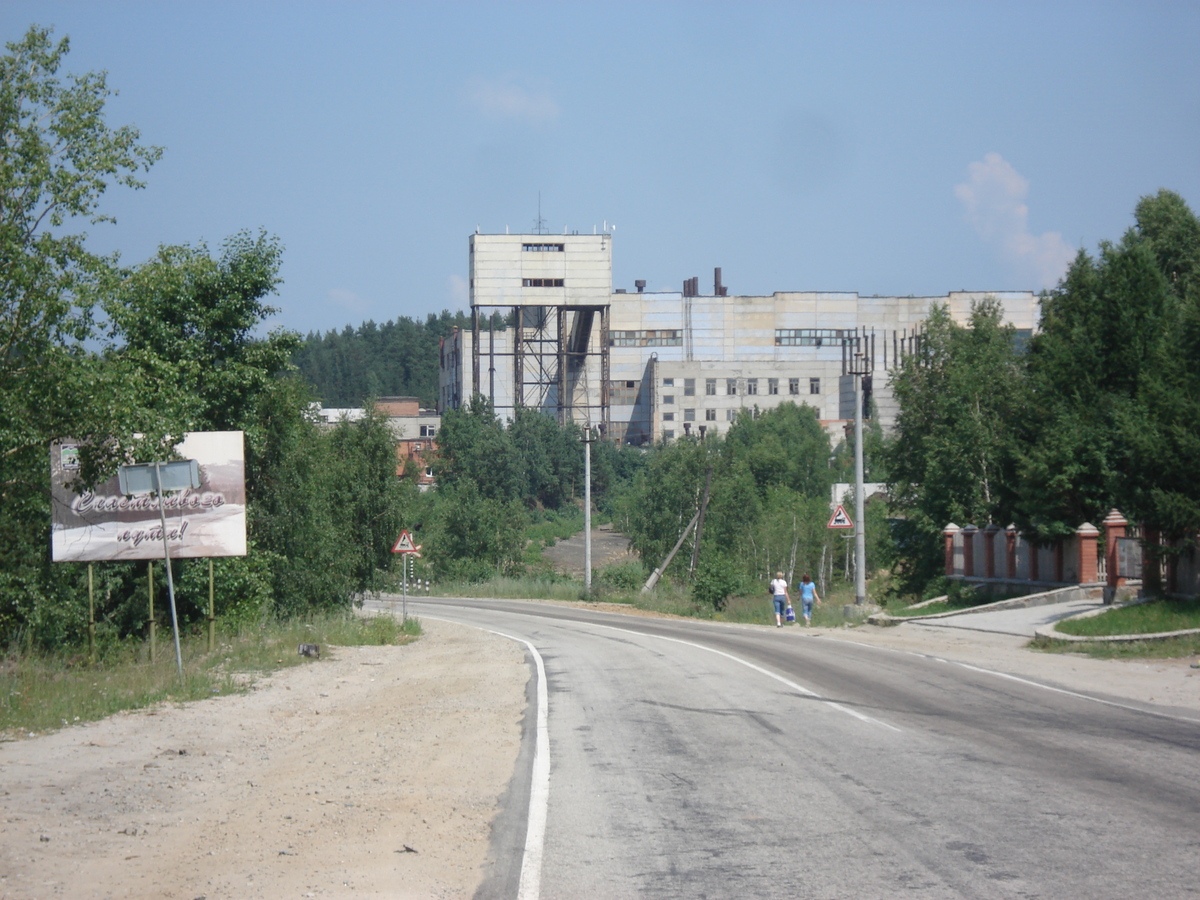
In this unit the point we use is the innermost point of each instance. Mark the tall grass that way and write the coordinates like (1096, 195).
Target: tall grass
(41, 692)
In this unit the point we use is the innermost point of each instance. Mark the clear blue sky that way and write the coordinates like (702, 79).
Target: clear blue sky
(890, 148)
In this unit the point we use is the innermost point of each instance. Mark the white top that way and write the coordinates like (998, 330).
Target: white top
(778, 587)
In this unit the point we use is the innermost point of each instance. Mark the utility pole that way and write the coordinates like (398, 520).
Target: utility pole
(587, 510)
(859, 368)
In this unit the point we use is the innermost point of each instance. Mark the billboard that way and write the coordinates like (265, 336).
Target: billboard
(105, 524)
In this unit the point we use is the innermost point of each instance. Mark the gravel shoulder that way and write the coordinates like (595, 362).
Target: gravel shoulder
(372, 772)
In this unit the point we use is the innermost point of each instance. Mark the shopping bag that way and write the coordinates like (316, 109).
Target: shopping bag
(791, 613)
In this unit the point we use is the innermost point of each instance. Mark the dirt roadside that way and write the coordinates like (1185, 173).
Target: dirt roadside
(373, 772)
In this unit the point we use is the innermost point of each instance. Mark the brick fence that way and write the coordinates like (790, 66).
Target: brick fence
(1003, 561)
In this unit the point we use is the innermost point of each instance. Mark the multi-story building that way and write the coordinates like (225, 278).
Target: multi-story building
(414, 430)
(549, 333)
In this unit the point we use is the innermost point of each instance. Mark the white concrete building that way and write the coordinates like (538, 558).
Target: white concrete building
(651, 366)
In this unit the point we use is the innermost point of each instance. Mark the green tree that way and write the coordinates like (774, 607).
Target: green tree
(474, 445)
(783, 446)
(549, 458)
(59, 156)
(472, 537)
(201, 315)
(1159, 427)
(954, 453)
(1114, 381)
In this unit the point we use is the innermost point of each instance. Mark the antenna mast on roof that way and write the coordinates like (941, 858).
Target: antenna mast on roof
(539, 224)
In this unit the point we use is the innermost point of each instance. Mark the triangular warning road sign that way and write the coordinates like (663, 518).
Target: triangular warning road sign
(839, 519)
(404, 543)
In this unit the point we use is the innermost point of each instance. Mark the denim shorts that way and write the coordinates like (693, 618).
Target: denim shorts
(807, 605)
(780, 604)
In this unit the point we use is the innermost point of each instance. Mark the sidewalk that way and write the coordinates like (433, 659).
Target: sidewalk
(1022, 622)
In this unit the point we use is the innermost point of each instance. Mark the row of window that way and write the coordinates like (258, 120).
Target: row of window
(731, 387)
(541, 282)
(660, 338)
(542, 248)
(624, 393)
(710, 415)
(812, 337)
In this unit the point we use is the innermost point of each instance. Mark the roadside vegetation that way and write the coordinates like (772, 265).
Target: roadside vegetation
(46, 690)
(1095, 410)
(1155, 617)
(1167, 648)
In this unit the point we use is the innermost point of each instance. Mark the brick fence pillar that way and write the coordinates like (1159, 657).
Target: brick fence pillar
(1010, 551)
(1086, 535)
(948, 534)
(989, 550)
(1114, 529)
(968, 536)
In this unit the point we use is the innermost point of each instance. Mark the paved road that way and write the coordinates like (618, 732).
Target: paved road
(691, 759)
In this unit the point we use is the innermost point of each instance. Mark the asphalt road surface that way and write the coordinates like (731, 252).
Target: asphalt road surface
(699, 760)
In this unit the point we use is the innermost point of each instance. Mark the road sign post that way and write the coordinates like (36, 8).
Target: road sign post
(404, 545)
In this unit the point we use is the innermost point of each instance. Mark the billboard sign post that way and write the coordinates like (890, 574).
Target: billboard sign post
(160, 477)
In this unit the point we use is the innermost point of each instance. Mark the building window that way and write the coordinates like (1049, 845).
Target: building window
(539, 248)
(418, 447)
(813, 337)
(668, 382)
(659, 338)
(689, 387)
(689, 415)
(668, 399)
(814, 385)
(710, 415)
(793, 386)
(710, 387)
(541, 282)
(622, 393)
(772, 386)
(668, 434)
(751, 385)
(729, 414)
(669, 417)
(730, 385)
(428, 431)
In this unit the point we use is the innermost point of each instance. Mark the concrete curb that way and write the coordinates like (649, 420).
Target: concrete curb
(1051, 632)
(1045, 598)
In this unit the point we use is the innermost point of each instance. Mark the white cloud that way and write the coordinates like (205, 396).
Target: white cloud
(505, 100)
(348, 300)
(993, 198)
(456, 292)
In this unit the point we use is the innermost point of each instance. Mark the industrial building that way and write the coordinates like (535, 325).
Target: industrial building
(549, 332)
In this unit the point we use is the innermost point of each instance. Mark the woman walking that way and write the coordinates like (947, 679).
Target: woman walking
(779, 593)
(808, 596)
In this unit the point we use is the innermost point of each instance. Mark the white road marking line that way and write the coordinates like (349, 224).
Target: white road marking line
(530, 885)
(1056, 690)
(788, 682)
(539, 788)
